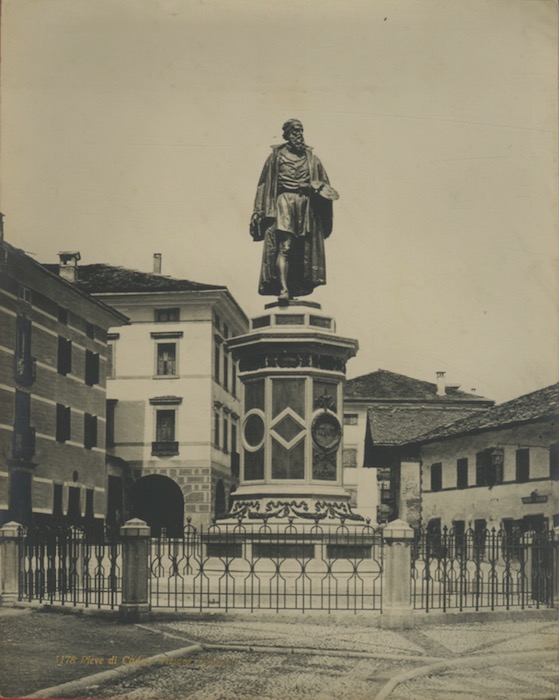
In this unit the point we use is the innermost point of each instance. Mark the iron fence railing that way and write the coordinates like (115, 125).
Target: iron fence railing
(482, 569)
(275, 567)
(71, 566)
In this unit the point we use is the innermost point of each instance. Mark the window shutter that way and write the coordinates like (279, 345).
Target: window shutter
(480, 469)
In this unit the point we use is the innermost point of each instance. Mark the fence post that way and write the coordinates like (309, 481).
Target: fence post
(528, 566)
(397, 610)
(555, 570)
(135, 535)
(9, 562)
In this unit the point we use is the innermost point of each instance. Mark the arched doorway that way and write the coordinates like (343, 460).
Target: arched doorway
(220, 509)
(159, 501)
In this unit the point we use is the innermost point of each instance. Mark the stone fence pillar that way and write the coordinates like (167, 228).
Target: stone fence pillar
(397, 611)
(9, 562)
(135, 535)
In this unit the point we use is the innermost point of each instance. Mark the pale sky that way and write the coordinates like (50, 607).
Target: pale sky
(131, 127)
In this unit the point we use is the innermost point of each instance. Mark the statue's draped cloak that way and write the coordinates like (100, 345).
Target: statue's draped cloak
(307, 267)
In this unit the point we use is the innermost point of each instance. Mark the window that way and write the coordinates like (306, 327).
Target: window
(217, 321)
(90, 330)
(458, 530)
(166, 359)
(434, 537)
(225, 434)
(74, 506)
(63, 315)
(89, 515)
(554, 461)
(233, 437)
(89, 431)
(522, 465)
(167, 315)
(225, 330)
(165, 425)
(91, 368)
(234, 378)
(217, 359)
(64, 355)
(480, 535)
(165, 441)
(63, 423)
(489, 466)
(24, 293)
(110, 424)
(24, 368)
(436, 476)
(57, 490)
(226, 370)
(462, 473)
(350, 418)
(216, 429)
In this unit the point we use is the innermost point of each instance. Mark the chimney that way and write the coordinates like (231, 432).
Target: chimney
(441, 388)
(157, 263)
(68, 268)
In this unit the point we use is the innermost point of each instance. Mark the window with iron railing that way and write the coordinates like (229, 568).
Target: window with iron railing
(24, 444)
(165, 442)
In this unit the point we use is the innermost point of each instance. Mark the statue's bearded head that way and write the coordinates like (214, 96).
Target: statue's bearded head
(293, 134)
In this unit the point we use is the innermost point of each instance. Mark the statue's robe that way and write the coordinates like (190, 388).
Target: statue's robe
(307, 266)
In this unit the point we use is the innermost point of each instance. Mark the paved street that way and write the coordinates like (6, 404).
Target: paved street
(280, 656)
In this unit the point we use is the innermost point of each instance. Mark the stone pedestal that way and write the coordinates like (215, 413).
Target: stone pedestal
(397, 609)
(135, 535)
(292, 366)
(10, 535)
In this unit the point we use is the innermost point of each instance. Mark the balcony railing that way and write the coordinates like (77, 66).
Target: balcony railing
(24, 444)
(164, 448)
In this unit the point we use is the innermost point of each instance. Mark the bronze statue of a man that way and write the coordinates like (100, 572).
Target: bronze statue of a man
(293, 216)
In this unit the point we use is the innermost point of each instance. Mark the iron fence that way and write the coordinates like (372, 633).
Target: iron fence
(263, 566)
(477, 569)
(70, 566)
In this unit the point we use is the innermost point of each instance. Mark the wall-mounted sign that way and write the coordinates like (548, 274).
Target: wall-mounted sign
(534, 497)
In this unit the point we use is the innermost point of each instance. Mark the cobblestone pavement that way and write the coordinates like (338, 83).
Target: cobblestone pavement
(343, 658)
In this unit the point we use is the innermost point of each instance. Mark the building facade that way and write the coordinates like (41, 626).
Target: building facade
(173, 397)
(382, 410)
(492, 469)
(53, 344)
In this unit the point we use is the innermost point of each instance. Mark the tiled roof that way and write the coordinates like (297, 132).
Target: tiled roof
(536, 406)
(99, 277)
(394, 424)
(383, 384)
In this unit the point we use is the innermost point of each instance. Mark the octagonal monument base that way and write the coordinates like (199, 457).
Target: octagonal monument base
(292, 366)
